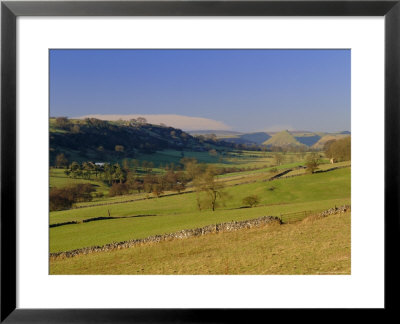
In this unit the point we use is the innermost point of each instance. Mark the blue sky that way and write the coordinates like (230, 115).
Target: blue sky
(243, 90)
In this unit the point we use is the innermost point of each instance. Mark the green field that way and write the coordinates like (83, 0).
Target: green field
(320, 246)
(59, 179)
(247, 160)
(172, 213)
(299, 246)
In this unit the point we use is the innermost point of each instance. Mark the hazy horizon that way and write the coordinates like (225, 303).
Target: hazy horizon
(237, 90)
(191, 124)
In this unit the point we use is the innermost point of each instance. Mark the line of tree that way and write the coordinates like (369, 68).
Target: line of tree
(107, 172)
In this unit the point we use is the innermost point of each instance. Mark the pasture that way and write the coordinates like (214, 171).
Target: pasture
(314, 246)
(166, 214)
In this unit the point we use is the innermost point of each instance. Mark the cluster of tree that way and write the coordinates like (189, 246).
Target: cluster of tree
(339, 150)
(63, 198)
(153, 183)
(62, 123)
(148, 182)
(118, 189)
(109, 173)
(133, 122)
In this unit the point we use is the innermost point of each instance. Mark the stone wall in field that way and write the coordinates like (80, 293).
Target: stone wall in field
(215, 228)
(336, 210)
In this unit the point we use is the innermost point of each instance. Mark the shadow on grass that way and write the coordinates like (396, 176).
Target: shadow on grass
(97, 219)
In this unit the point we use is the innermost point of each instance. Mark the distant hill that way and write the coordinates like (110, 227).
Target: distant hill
(282, 139)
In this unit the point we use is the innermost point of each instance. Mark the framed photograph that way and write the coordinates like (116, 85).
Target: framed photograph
(196, 160)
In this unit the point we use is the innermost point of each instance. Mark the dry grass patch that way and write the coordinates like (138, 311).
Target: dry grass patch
(311, 219)
(316, 246)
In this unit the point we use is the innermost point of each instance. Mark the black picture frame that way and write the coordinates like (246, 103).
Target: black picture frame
(10, 10)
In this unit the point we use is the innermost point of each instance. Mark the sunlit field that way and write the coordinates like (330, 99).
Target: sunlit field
(320, 246)
(148, 217)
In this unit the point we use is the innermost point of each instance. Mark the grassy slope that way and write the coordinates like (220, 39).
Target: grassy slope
(322, 246)
(321, 167)
(309, 192)
(330, 185)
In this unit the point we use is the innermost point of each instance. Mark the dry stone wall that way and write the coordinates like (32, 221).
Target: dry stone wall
(336, 210)
(215, 228)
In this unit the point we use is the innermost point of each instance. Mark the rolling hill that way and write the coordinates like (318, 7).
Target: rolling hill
(94, 139)
(100, 140)
(282, 139)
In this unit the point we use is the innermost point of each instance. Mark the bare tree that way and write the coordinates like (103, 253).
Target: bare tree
(279, 158)
(212, 190)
